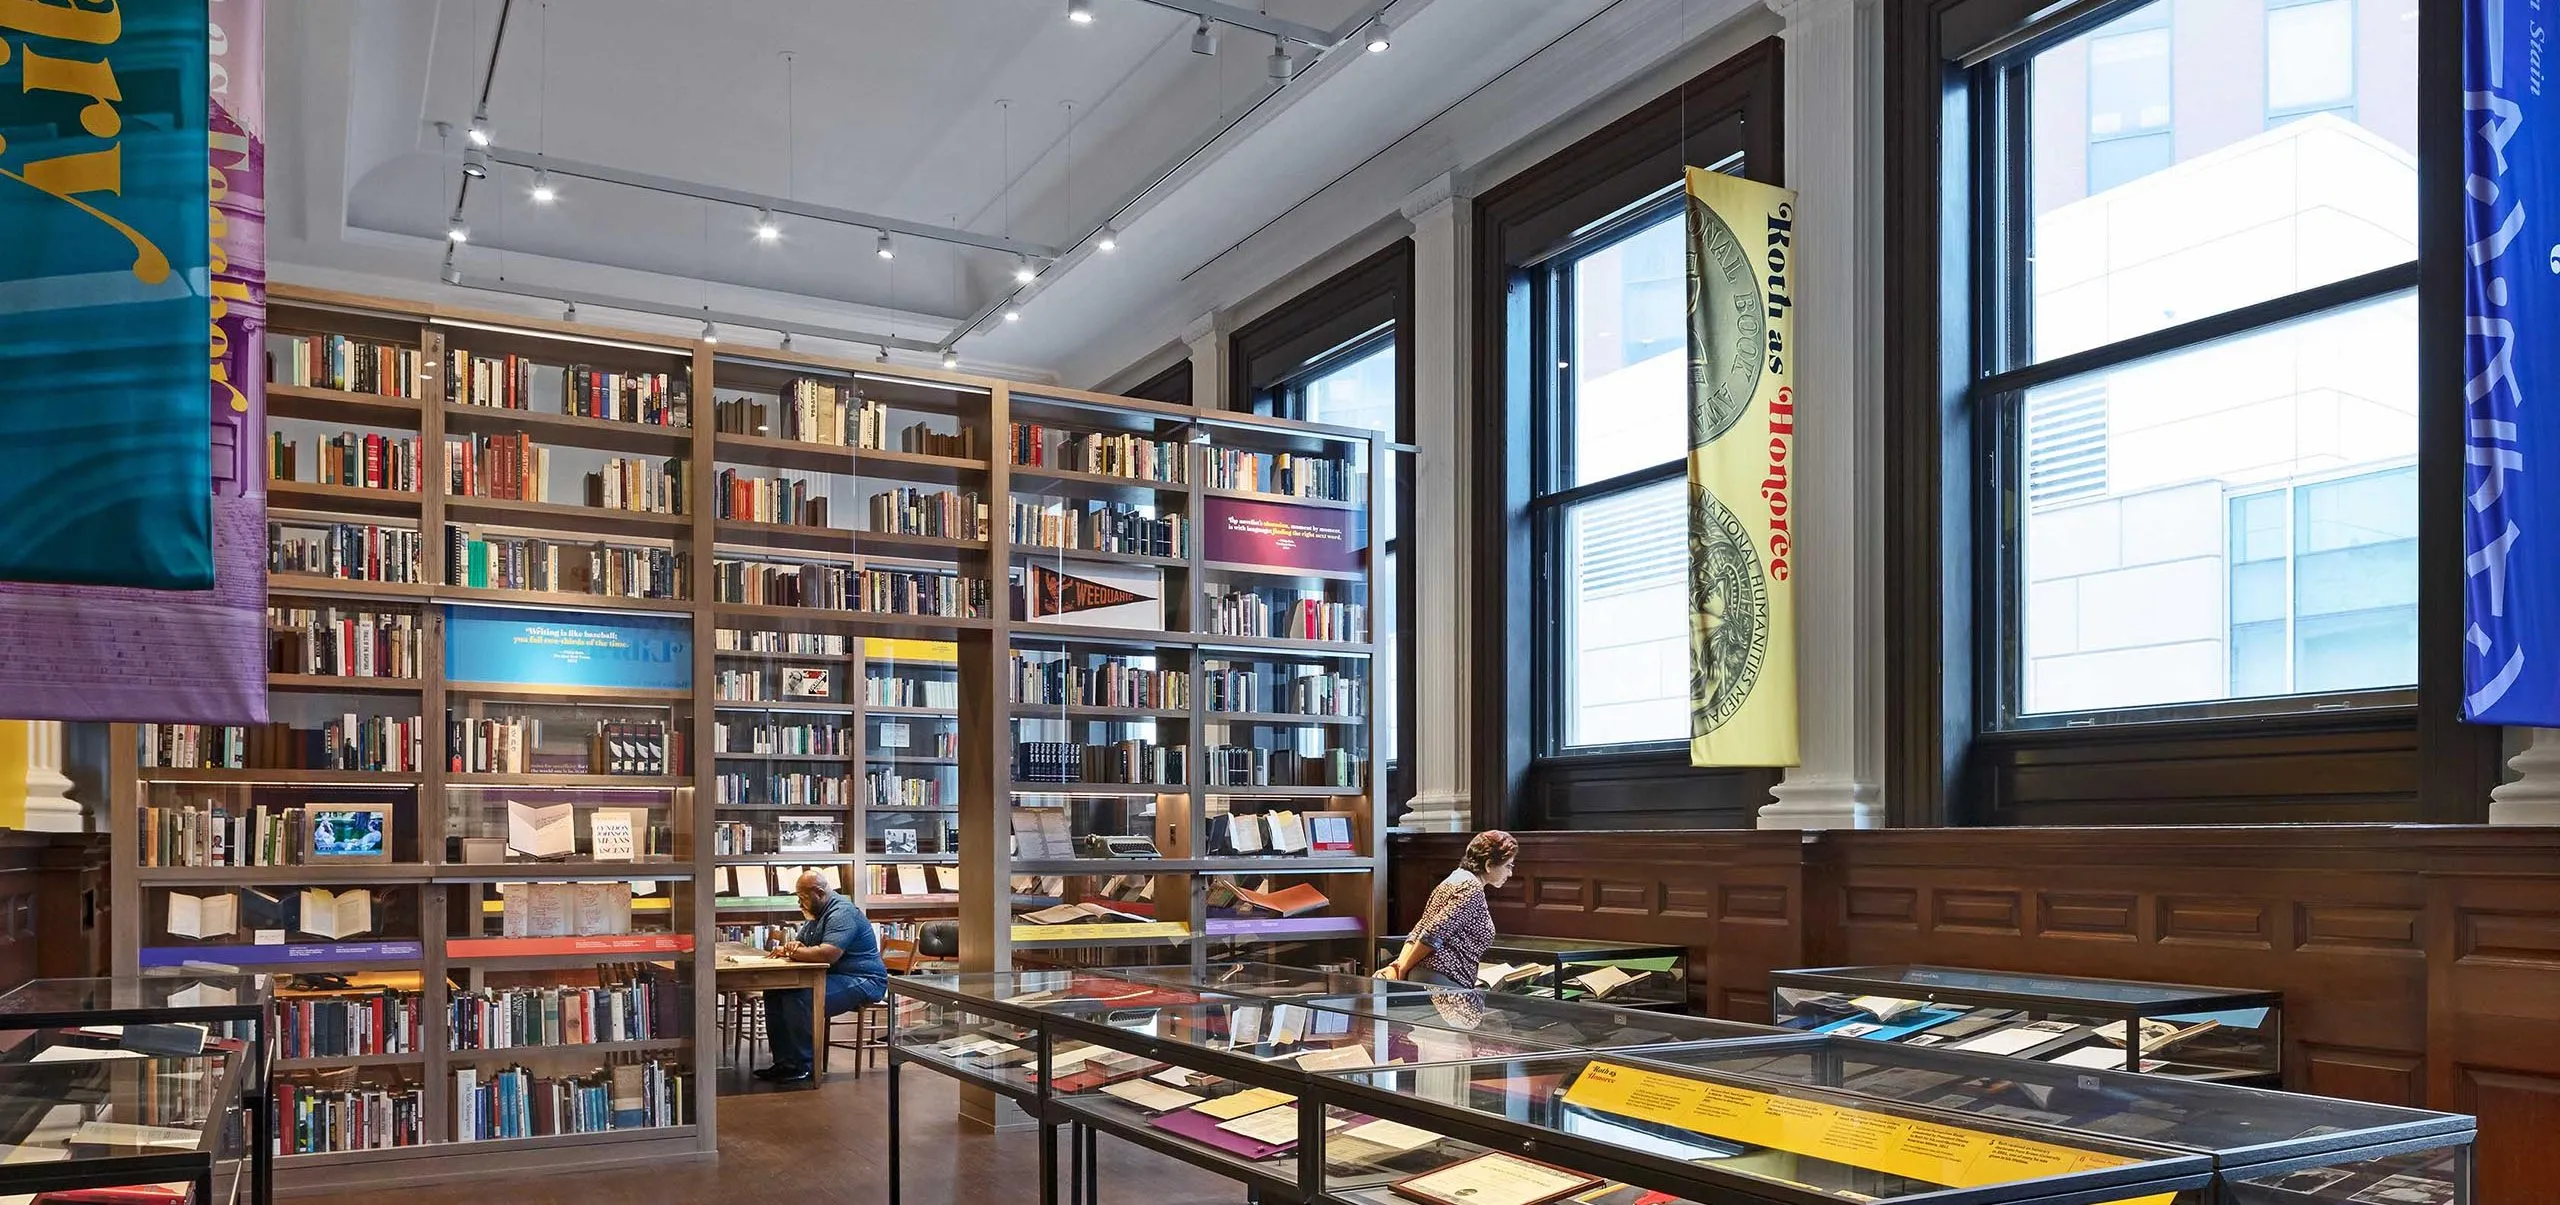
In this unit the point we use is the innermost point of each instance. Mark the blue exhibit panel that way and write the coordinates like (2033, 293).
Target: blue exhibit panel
(568, 648)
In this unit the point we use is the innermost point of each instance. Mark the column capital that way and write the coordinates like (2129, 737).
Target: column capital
(1440, 190)
(1823, 801)
(1807, 12)
(1206, 327)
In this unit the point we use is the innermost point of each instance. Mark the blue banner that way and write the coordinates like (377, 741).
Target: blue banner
(567, 648)
(106, 471)
(2512, 298)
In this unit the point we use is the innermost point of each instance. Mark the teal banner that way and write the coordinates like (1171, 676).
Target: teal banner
(106, 338)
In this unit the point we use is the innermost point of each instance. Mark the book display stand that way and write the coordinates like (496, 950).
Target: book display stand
(586, 643)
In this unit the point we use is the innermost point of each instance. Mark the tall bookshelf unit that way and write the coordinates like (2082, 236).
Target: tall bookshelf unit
(893, 737)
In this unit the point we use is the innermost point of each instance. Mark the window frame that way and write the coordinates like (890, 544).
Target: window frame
(1944, 763)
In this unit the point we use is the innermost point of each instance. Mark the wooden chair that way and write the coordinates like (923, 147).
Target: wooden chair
(741, 1019)
(871, 1022)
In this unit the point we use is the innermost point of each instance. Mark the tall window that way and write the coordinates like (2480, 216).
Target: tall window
(1355, 386)
(2199, 401)
(1609, 513)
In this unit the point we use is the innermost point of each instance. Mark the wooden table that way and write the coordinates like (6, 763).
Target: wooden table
(765, 974)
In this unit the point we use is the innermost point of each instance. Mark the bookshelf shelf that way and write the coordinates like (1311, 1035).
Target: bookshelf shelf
(1141, 639)
(1036, 553)
(335, 684)
(928, 713)
(558, 598)
(304, 585)
(635, 782)
(1282, 792)
(894, 760)
(1096, 789)
(1212, 642)
(1243, 866)
(828, 758)
(808, 658)
(844, 540)
(566, 517)
(1038, 480)
(765, 452)
(1309, 575)
(770, 858)
(343, 406)
(799, 706)
(1291, 499)
(577, 694)
(1054, 711)
(415, 1058)
(341, 499)
(1280, 718)
(511, 1054)
(283, 778)
(600, 434)
(197, 876)
(558, 952)
(586, 871)
(868, 623)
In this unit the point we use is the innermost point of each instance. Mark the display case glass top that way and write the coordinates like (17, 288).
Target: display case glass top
(1928, 982)
(1265, 979)
(42, 1002)
(118, 1108)
(1562, 1024)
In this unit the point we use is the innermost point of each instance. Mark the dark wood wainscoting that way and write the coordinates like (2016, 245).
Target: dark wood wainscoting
(2420, 964)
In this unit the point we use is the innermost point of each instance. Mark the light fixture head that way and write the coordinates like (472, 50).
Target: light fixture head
(710, 331)
(1109, 242)
(883, 357)
(569, 312)
(950, 359)
(451, 275)
(1023, 272)
(475, 163)
(786, 340)
(1080, 11)
(544, 192)
(1378, 32)
(767, 229)
(1204, 38)
(1281, 63)
(1012, 314)
(479, 132)
(881, 247)
(456, 230)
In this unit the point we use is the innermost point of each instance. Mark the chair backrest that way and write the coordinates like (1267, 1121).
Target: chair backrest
(898, 954)
(939, 939)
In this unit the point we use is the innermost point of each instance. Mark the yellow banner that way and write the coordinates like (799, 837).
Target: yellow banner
(898, 648)
(1742, 436)
(1878, 1142)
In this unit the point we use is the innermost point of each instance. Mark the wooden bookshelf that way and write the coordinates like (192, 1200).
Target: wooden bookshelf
(966, 749)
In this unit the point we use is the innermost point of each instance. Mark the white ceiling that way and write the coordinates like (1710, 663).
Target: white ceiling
(886, 106)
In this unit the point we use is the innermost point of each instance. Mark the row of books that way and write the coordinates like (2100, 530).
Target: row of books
(514, 745)
(651, 399)
(370, 461)
(382, 1021)
(315, 1118)
(1100, 527)
(764, 882)
(219, 835)
(783, 740)
(1132, 761)
(1281, 613)
(946, 514)
(513, 1102)
(812, 835)
(821, 644)
(910, 879)
(633, 484)
(1298, 689)
(790, 683)
(391, 744)
(495, 562)
(509, 467)
(1055, 680)
(1249, 766)
(810, 412)
(747, 498)
(504, 1018)
(908, 690)
(1293, 474)
(779, 789)
(891, 790)
(338, 362)
(340, 643)
(1106, 453)
(362, 552)
(841, 588)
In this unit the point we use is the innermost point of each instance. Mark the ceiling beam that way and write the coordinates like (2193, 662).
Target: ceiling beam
(751, 200)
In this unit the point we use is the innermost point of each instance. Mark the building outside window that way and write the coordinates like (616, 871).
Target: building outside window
(2224, 520)
(1355, 386)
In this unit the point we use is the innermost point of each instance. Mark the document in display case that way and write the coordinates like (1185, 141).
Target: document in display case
(1624, 974)
(2230, 1035)
(1555, 1023)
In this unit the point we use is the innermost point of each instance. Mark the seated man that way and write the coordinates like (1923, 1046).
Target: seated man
(838, 934)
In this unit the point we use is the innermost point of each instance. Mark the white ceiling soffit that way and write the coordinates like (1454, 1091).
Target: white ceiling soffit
(891, 109)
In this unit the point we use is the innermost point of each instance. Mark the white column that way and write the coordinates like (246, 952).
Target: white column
(1443, 217)
(2534, 796)
(50, 807)
(1207, 338)
(1835, 162)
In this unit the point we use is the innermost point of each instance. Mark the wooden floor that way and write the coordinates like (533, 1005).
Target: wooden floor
(828, 1147)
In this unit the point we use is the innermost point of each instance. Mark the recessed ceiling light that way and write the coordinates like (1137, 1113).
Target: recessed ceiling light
(1080, 11)
(950, 359)
(1109, 242)
(1023, 272)
(1013, 315)
(543, 191)
(881, 247)
(767, 229)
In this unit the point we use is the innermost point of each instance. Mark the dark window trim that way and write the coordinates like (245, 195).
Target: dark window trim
(1734, 107)
(1308, 333)
(1172, 386)
(1942, 767)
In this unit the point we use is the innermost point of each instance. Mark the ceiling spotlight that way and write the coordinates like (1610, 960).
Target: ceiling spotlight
(1204, 39)
(710, 331)
(1023, 272)
(479, 132)
(767, 230)
(786, 340)
(1281, 64)
(457, 230)
(569, 312)
(543, 191)
(881, 247)
(883, 357)
(475, 163)
(451, 275)
(1080, 11)
(1109, 242)
(1378, 33)
(950, 359)
(1013, 315)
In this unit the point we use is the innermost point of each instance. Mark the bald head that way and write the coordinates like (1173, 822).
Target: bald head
(811, 890)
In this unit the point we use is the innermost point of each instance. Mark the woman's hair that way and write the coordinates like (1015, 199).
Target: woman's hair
(1489, 849)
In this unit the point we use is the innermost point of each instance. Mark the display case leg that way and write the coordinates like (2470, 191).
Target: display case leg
(894, 1141)
(1048, 1162)
(1092, 1167)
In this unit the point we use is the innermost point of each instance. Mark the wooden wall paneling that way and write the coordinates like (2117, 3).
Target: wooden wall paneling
(2494, 1019)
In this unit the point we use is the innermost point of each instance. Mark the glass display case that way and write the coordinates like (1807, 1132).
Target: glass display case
(2223, 1034)
(1215, 1084)
(1625, 974)
(1612, 1129)
(984, 1027)
(79, 1112)
(2268, 1148)
(1560, 1023)
(1266, 979)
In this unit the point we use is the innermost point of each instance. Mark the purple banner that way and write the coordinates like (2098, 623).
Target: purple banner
(311, 952)
(1281, 535)
(99, 653)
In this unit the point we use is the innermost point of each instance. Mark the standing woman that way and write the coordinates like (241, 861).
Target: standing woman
(1457, 926)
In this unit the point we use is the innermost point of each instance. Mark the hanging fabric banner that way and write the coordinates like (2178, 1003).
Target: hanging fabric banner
(1742, 606)
(2511, 294)
(130, 387)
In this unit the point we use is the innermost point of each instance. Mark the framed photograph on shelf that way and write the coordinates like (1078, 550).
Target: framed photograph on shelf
(346, 834)
(1329, 833)
(809, 835)
(897, 840)
(802, 682)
